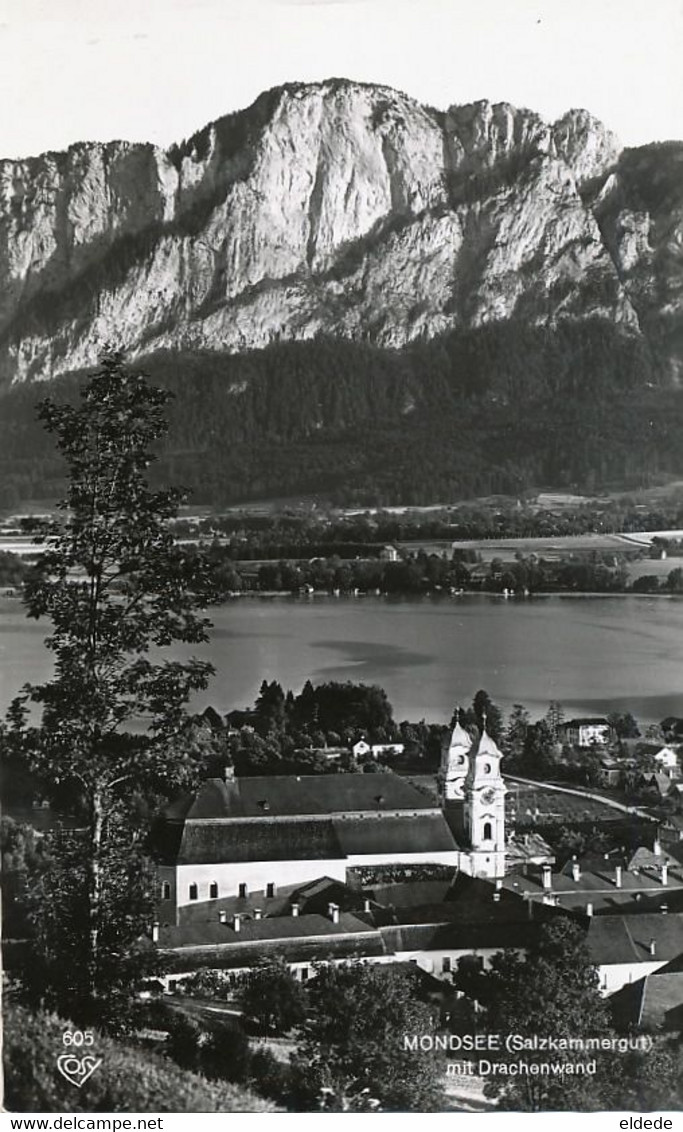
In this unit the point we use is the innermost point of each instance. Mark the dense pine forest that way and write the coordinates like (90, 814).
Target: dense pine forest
(501, 409)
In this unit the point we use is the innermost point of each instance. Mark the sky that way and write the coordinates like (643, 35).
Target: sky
(158, 70)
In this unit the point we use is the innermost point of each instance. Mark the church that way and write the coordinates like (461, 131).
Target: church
(472, 796)
(236, 838)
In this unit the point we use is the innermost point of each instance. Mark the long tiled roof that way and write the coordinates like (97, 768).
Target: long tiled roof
(626, 939)
(289, 795)
(212, 842)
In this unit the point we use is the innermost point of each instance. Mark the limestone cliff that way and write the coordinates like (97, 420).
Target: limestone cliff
(335, 208)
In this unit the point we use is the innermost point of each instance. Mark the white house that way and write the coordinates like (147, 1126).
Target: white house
(668, 762)
(586, 732)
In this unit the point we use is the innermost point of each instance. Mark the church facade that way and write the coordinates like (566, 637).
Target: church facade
(235, 838)
(472, 796)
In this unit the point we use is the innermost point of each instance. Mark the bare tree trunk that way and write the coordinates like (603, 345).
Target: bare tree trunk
(95, 888)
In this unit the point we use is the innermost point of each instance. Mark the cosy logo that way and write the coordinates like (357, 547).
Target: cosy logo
(76, 1070)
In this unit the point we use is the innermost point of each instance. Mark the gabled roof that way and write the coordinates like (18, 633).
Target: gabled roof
(185, 950)
(651, 1002)
(292, 795)
(587, 721)
(242, 841)
(626, 939)
(645, 858)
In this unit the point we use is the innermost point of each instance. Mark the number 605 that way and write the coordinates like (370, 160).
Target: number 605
(78, 1038)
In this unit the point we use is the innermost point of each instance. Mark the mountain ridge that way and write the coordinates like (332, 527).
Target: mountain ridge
(338, 209)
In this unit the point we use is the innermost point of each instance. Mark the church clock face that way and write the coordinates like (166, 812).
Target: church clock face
(488, 796)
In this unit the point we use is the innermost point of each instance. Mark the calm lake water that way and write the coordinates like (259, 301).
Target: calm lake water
(593, 654)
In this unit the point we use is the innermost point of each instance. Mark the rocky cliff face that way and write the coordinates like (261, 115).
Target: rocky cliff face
(334, 208)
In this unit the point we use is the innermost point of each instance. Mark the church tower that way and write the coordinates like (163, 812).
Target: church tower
(455, 764)
(484, 809)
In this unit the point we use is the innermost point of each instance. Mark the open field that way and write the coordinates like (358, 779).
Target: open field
(551, 546)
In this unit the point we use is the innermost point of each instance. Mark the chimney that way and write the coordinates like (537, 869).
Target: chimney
(333, 912)
(496, 898)
(155, 932)
(366, 904)
(657, 847)
(499, 884)
(547, 877)
(665, 872)
(530, 905)
(295, 909)
(258, 914)
(576, 871)
(237, 922)
(589, 909)
(223, 917)
(653, 947)
(617, 876)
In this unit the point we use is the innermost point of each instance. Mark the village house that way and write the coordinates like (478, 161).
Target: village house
(586, 732)
(668, 762)
(376, 750)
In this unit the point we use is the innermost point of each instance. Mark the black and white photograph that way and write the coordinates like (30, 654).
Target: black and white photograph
(341, 559)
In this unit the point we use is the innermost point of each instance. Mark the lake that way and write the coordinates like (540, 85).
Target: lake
(593, 654)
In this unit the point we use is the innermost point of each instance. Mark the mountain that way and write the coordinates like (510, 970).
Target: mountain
(354, 294)
(337, 209)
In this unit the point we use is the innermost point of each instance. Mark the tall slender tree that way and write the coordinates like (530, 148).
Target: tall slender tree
(117, 592)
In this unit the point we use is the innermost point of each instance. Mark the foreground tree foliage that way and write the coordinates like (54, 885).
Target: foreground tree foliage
(128, 1080)
(350, 1056)
(116, 591)
(553, 992)
(273, 997)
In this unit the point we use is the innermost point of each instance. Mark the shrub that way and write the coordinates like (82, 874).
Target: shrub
(129, 1079)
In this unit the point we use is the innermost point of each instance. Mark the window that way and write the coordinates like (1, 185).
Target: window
(213, 890)
(243, 891)
(487, 768)
(270, 889)
(304, 974)
(446, 964)
(166, 891)
(488, 831)
(193, 892)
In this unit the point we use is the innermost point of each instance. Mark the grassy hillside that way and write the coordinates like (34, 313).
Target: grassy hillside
(128, 1080)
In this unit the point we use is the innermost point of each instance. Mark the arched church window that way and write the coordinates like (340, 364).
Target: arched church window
(213, 890)
(166, 891)
(488, 831)
(193, 892)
